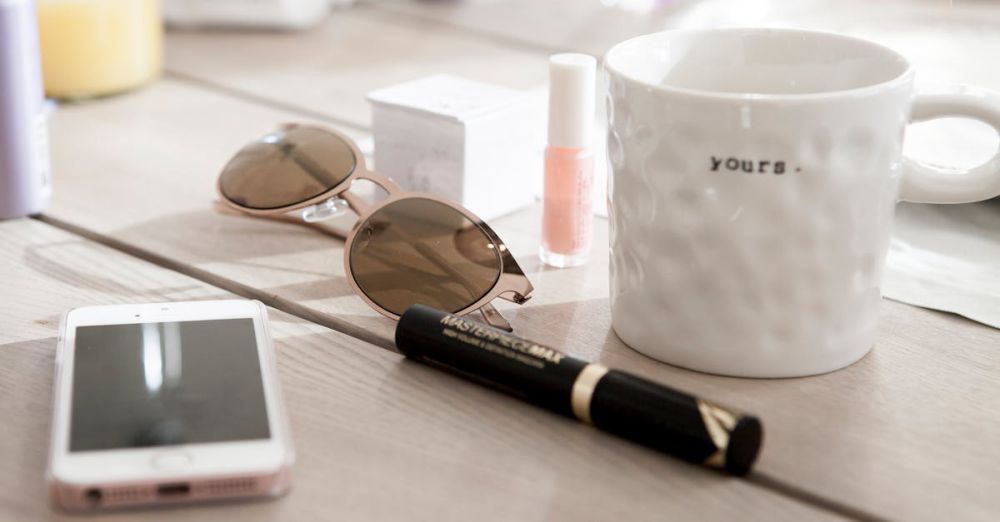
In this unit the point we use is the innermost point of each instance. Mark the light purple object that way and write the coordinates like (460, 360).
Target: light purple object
(24, 157)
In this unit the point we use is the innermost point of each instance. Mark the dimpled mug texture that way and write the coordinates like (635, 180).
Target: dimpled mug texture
(748, 235)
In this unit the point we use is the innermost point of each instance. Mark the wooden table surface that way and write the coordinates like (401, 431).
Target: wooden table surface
(908, 433)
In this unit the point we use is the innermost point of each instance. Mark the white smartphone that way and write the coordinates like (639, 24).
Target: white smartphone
(166, 403)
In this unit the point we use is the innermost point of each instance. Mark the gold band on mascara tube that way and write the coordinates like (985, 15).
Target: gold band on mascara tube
(583, 390)
(719, 422)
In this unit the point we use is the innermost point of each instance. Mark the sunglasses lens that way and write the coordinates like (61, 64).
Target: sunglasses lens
(418, 250)
(287, 167)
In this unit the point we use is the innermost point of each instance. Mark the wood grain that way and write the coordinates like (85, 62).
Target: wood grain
(546, 27)
(331, 68)
(376, 437)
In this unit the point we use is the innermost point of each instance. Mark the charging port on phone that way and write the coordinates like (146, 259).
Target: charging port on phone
(179, 489)
(93, 496)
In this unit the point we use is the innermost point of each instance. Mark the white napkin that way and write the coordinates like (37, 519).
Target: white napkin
(947, 257)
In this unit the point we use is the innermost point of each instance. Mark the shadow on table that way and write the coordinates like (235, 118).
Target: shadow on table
(50, 260)
(209, 237)
(248, 250)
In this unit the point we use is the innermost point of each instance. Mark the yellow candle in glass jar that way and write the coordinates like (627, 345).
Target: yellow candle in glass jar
(96, 47)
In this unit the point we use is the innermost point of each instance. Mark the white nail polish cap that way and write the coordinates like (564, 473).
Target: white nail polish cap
(571, 100)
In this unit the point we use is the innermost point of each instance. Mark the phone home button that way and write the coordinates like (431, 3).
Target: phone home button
(171, 460)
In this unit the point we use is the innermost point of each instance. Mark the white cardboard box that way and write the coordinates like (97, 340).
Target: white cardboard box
(474, 143)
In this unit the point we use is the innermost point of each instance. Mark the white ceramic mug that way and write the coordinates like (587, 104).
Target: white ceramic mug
(753, 179)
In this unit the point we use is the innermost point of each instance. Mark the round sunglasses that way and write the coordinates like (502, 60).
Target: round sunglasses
(410, 248)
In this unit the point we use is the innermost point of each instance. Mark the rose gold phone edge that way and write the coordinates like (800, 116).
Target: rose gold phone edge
(197, 487)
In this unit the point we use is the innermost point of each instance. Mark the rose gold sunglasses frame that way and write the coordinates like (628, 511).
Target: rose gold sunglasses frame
(511, 284)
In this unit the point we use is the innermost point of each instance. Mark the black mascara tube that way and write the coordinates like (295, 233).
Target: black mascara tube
(631, 407)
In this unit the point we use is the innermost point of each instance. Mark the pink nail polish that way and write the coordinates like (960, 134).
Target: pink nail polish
(567, 216)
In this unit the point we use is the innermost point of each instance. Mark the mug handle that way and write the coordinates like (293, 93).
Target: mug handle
(924, 183)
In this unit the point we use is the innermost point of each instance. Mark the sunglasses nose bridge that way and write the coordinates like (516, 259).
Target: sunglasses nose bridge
(328, 209)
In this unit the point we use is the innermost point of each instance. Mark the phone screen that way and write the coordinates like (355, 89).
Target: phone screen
(159, 384)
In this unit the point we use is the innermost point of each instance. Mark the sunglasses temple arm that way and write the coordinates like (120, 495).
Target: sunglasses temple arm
(493, 318)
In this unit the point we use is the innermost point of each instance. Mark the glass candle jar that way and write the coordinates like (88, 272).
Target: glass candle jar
(98, 47)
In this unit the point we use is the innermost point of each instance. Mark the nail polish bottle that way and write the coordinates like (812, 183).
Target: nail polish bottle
(567, 216)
